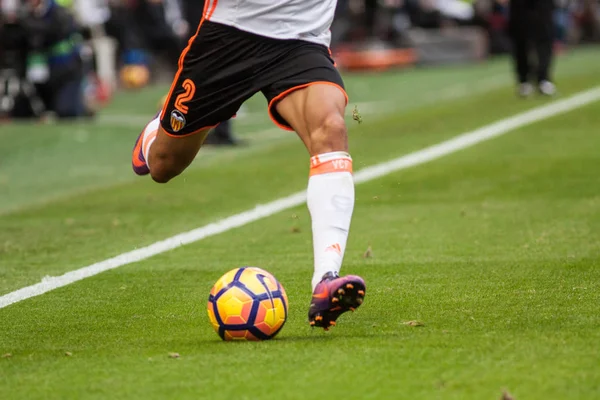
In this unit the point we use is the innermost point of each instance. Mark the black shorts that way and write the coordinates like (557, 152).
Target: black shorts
(223, 66)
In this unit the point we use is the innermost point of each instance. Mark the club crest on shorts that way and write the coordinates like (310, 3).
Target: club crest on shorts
(177, 120)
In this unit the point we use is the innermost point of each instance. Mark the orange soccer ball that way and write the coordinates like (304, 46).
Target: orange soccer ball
(134, 76)
(247, 303)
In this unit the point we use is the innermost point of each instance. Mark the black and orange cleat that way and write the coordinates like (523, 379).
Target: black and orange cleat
(333, 296)
(138, 162)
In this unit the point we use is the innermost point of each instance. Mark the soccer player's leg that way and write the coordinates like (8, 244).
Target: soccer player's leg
(520, 29)
(544, 42)
(202, 96)
(316, 112)
(164, 156)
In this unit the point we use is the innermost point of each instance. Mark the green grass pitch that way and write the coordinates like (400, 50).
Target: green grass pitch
(494, 250)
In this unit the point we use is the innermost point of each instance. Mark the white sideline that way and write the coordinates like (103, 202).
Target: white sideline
(262, 211)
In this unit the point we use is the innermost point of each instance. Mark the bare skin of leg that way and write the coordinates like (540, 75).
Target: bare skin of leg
(316, 113)
(170, 156)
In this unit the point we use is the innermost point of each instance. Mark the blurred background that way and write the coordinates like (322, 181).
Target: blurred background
(68, 58)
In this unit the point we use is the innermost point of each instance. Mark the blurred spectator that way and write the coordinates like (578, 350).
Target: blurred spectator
(493, 16)
(13, 58)
(532, 30)
(52, 52)
(40, 52)
(587, 15)
(54, 61)
(144, 30)
(162, 27)
(562, 21)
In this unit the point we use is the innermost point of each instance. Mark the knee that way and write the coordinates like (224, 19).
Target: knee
(330, 136)
(159, 176)
(163, 168)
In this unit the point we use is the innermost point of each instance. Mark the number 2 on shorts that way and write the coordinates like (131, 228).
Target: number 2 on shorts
(190, 89)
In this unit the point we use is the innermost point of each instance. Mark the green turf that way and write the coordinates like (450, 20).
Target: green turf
(84, 228)
(495, 249)
(41, 163)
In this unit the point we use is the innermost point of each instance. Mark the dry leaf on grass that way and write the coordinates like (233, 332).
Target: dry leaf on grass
(414, 323)
(506, 396)
(68, 353)
(173, 355)
(295, 228)
(368, 253)
(7, 355)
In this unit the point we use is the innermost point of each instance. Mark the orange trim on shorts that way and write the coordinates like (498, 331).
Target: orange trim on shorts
(283, 94)
(180, 62)
(342, 164)
(189, 134)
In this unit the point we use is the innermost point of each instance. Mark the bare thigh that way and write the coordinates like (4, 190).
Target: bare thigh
(316, 113)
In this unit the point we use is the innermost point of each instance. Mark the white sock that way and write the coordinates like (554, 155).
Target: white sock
(330, 199)
(150, 132)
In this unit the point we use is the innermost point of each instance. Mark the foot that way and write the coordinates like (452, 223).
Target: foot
(525, 89)
(333, 296)
(547, 88)
(138, 162)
